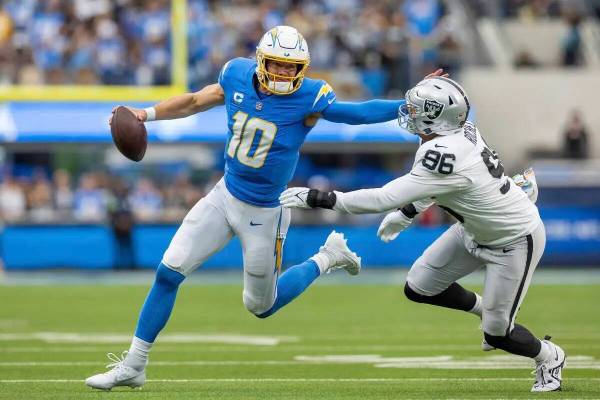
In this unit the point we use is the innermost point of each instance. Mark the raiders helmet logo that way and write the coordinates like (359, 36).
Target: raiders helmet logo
(433, 109)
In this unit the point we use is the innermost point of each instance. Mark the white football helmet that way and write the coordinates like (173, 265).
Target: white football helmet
(435, 105)
(286, 44)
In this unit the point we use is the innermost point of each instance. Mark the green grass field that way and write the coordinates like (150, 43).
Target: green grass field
(335, 342)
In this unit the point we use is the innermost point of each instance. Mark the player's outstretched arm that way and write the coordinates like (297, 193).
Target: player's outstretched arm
(367, 112)
(393, 195)
(183, 105)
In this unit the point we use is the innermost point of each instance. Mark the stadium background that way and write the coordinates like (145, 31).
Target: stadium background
(529, 66)
(82, 228)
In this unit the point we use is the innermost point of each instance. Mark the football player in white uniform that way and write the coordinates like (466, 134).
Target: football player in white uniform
(498, 226)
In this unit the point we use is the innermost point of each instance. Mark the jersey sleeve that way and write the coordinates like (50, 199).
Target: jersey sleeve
(397, 193)
(224, 75)
(323, 97)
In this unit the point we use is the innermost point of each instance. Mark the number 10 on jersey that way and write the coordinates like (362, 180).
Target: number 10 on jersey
(244, 131)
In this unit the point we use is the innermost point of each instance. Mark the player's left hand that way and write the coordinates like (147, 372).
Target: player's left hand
(439, 72)
(295, 197)
(391, 226)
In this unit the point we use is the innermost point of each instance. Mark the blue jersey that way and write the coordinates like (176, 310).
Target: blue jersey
(265, 132)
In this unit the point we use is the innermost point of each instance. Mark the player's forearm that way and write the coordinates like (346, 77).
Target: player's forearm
(367, 112)
(366, 201)
(187, 104)
(392, 196)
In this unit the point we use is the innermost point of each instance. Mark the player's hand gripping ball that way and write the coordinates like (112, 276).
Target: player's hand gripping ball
(128, 133)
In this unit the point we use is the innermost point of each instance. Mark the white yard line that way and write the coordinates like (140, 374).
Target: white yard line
(301, 380)
(287, 348)
(108, 337)
(434, 362)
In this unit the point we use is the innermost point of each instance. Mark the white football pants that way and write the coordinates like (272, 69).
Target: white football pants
(508, 272)
(209, 226)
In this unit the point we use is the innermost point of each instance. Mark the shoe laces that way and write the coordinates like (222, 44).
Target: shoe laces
(117, 362)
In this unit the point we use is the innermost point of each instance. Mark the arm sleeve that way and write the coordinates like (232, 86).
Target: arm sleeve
(367, 112)
(397, 193)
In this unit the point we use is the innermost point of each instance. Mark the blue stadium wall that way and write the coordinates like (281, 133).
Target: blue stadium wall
(573, 239)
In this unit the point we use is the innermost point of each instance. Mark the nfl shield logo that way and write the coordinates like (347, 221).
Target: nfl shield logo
(259, 105)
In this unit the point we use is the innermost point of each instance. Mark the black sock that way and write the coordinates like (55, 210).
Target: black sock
(455, 297)
(520, 342)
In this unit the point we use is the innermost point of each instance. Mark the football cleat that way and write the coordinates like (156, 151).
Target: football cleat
(548, 373)
(339, 255)
(119, 375)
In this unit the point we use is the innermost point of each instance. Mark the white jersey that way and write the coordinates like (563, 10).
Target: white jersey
(461, 174)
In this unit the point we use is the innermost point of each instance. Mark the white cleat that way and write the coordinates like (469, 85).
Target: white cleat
(339, 254)
(119, 375)
(548, 373)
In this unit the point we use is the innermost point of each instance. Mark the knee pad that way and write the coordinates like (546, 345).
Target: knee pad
(257, 307)
(419, 279)
(165, 276)
(495, 325)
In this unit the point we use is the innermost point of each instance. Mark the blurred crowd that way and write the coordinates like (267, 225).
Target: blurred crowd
(95, 197)
(122, 199)
(537, 9)
(85, 42)
(364, 48)
(572, 14)
(374, 47)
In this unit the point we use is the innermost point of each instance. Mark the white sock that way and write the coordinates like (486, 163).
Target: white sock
(545, 352)
(137, 357)
(322, 261)
(478, 307)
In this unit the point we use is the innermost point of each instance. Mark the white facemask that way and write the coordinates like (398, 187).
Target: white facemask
(280, 87)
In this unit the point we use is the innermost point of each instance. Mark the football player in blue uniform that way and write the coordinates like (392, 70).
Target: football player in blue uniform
(271, 106)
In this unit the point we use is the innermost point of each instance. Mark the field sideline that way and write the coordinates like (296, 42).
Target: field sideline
(336, 342)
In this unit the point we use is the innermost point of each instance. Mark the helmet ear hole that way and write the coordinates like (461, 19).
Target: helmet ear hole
(428, 122)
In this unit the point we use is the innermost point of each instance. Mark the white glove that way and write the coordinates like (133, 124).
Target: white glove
(527, 182)
(391, 226)
(294, 197)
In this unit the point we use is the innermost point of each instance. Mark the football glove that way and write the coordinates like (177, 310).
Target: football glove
(295, 197)
(527, 182)
(391, 226)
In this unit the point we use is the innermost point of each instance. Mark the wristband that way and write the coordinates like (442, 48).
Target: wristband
(319, 199)
(150, 113)
(409, 210)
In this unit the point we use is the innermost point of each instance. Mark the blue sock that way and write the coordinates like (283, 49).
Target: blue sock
(292, 283)
(159, 303)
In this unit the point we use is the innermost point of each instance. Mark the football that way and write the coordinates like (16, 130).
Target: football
(129, 134)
